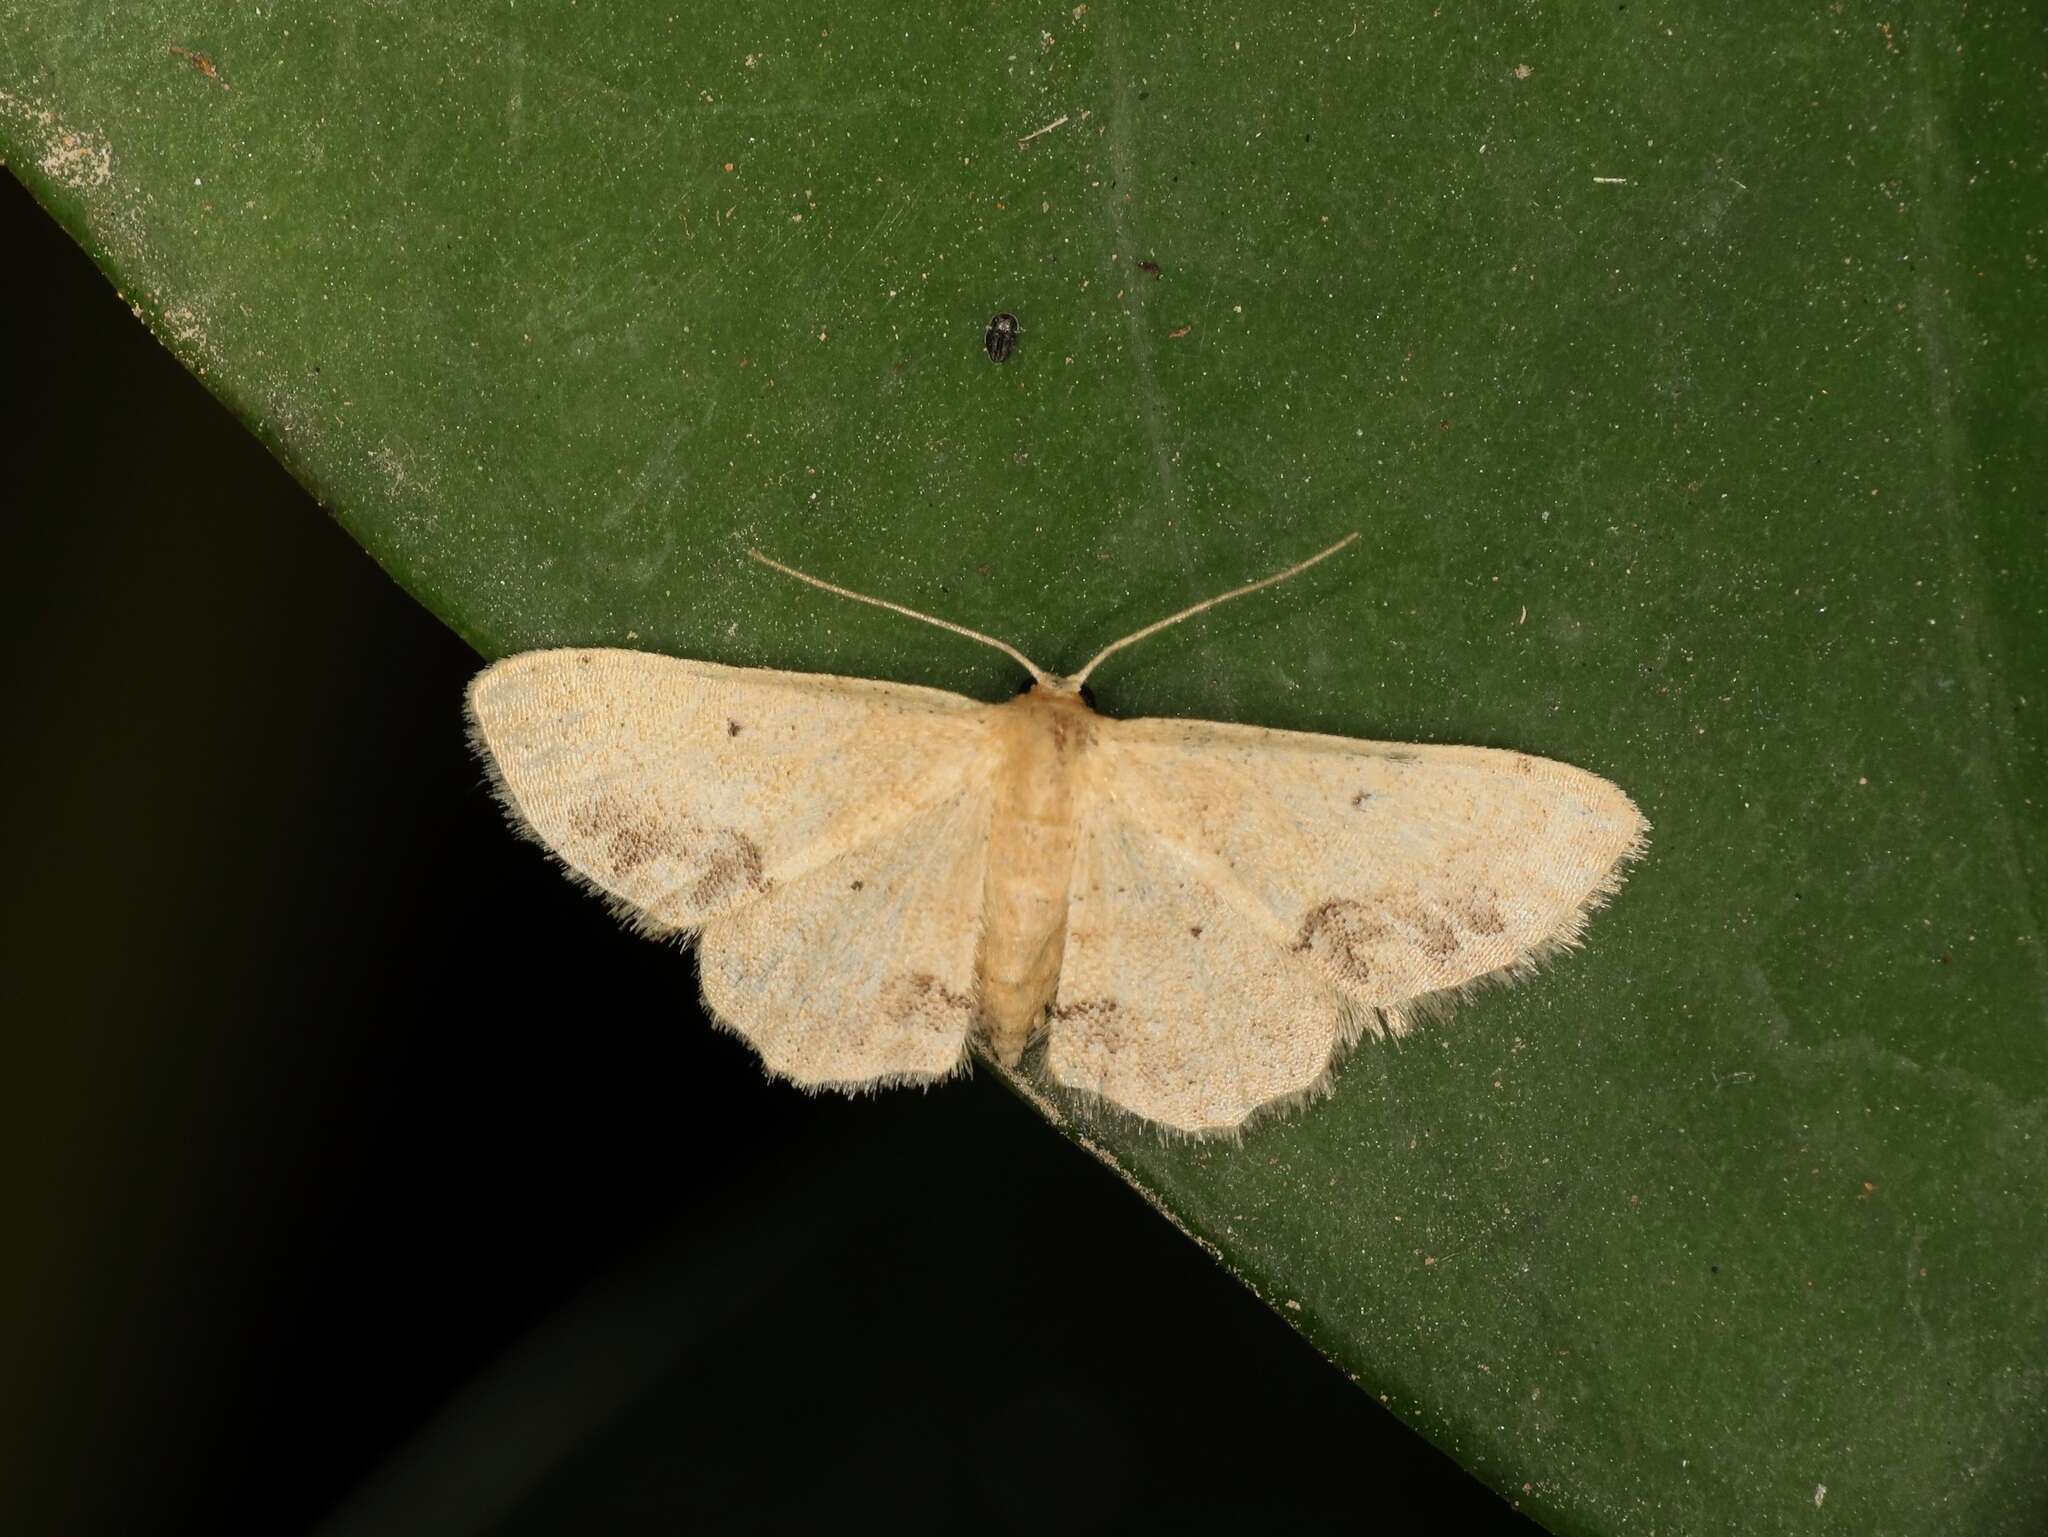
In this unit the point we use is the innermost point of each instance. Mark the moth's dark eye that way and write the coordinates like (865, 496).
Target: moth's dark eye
(1088, 696)
(1000, 339)
(1027, 685)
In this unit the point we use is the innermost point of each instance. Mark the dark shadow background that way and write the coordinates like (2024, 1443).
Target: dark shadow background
(361, 1175)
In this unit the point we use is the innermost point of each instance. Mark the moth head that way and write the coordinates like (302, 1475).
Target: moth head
(1050, 685)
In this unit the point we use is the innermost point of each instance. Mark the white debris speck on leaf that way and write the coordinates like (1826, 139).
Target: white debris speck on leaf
(71, 157)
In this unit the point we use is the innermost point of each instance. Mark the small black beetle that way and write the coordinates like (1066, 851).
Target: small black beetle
(1000, 340)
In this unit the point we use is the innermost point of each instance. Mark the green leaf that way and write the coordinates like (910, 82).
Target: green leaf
(1684, 374)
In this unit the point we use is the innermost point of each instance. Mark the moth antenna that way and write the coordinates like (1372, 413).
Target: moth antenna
(1202, 607)
(1038, 673)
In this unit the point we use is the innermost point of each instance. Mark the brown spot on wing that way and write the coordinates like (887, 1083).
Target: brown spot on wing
(732, 863)
(1340, 934)
(732, 728)
(1086, 1008)
(1092, 1023)
(1482, 913)
(1356, 939)
(918, 1000)
(631, 836)
(1437, 938)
